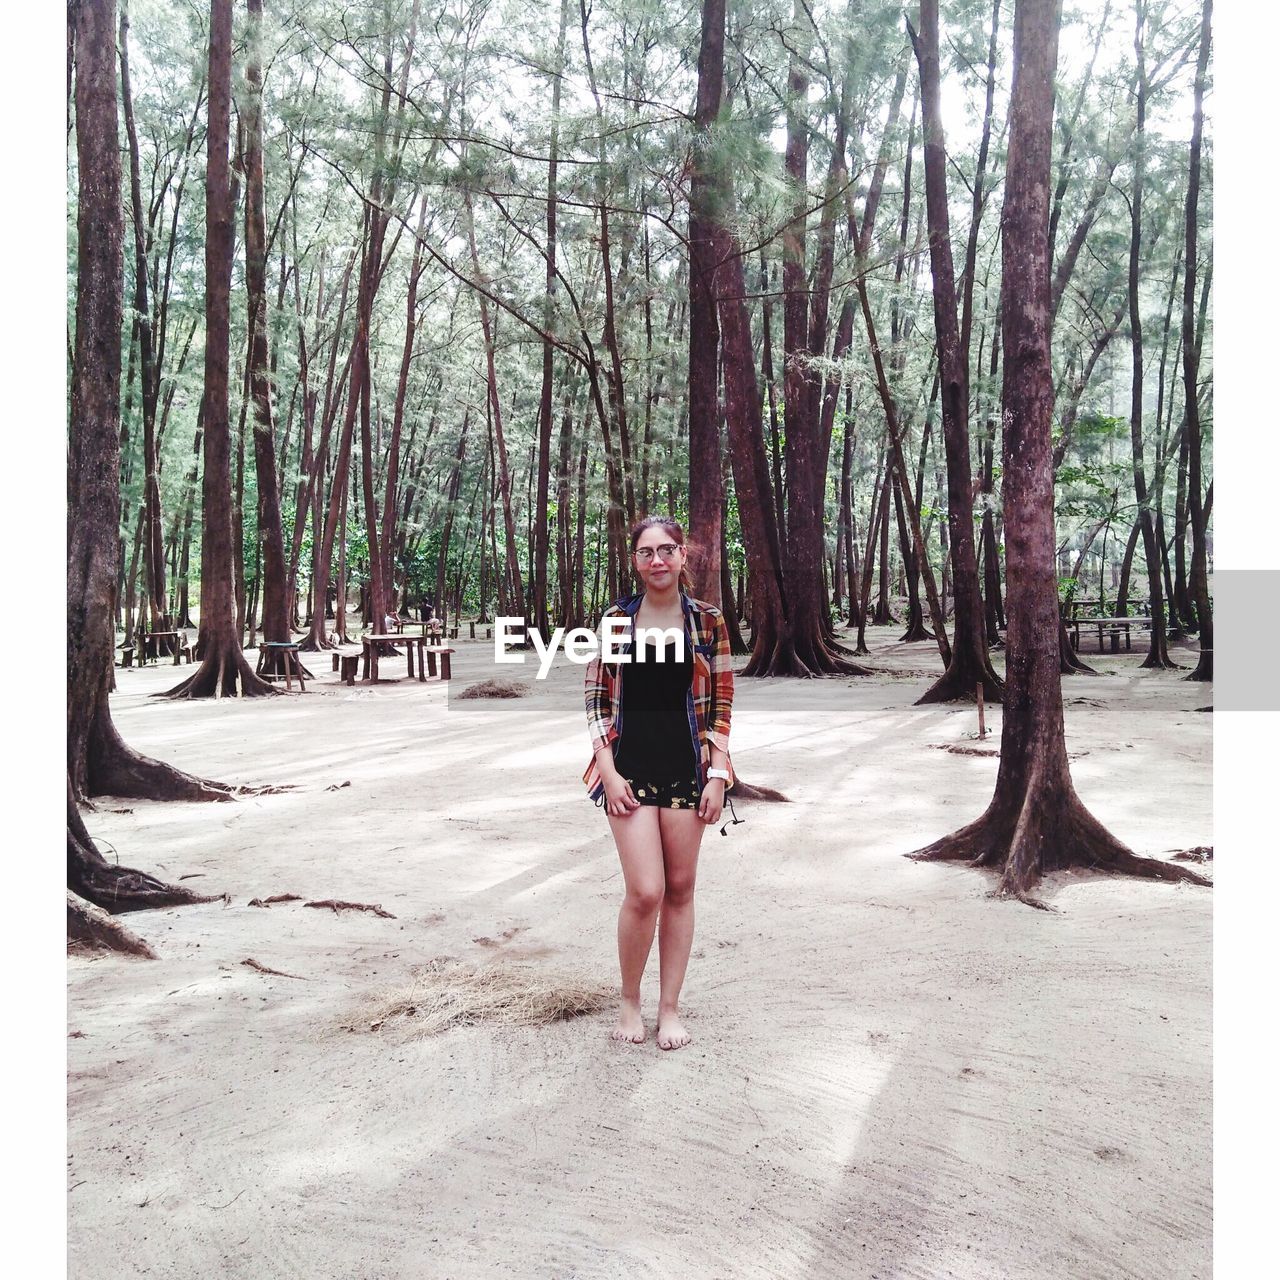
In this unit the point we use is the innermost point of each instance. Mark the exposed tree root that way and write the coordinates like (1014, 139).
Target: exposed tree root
(116, 769)
(311, 645)
(222, 674)
(916, 631)
(1069, 661)
(275, 897)
(251, 963)
(787, 657)
(747, 791)
(1047, 834)
(91, 928)
(959, 682)
(1203, 672)
(115, 888)
(335, 905)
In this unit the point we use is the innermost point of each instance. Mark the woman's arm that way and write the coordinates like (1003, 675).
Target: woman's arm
(722, 698)
(600, 683)
(599, 702)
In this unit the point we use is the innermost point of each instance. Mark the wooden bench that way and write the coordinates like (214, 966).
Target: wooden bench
(444, 652)
(347, 662)
(1113, 628)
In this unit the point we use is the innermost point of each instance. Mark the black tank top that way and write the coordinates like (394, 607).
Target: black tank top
(656, 741)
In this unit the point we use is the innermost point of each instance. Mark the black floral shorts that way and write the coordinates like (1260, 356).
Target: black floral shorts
(666, 795)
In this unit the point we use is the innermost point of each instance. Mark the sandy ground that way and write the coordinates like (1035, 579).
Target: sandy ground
(892, 1074)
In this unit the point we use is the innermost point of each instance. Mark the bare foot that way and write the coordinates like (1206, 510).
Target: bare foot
(630, 1025)
(671, 1032)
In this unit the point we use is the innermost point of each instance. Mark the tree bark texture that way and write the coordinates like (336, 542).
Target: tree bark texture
(706, 207)
(97, 759)
(273, 573)
(223, 669)
(970, 662)
(1035, 822)
(1191, 373)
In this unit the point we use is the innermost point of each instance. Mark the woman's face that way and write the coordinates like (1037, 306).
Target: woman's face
(658, 558)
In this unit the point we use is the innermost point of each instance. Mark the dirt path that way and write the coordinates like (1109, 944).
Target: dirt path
(891, 1074)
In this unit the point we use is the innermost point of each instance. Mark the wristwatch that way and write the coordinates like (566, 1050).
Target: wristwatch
(718, 773)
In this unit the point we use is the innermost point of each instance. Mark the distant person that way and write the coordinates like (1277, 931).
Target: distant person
(661, 772)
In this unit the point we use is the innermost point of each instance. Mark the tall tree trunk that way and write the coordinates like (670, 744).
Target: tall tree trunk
(541, 548)
(153, 538)
(1191, 372)
(706, 207)
(272, 571)
(1035, 822)
(223, 669)
(512, 584)
(1157, 654)
(808, 653)
(970, 663)
(97, 759)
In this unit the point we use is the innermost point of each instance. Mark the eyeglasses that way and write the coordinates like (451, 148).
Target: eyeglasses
(666, 550)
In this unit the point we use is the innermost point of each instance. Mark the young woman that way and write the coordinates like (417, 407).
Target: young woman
(661, 769)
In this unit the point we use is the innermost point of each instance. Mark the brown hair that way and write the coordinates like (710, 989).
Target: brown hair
(668, 524)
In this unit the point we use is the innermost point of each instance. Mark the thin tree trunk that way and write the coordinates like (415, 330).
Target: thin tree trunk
(1157, 654)
(153, 540)
(541, 540)
(1191, 371)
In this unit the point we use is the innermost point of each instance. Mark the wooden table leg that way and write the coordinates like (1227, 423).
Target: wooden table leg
(422, 661)
(408, 653)
(431, 664)
(365, 660)
(445, 666)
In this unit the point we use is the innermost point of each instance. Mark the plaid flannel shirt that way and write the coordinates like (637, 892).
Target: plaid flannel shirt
(710, 697)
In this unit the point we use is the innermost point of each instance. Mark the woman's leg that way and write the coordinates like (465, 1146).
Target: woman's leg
(639, 842)
(681, 838)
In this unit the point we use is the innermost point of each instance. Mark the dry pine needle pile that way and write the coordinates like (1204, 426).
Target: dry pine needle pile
(447, 993)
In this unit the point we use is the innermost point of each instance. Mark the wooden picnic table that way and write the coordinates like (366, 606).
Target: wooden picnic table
(1083, 603)
(426, 651)
(433, 627)
(1113, 627)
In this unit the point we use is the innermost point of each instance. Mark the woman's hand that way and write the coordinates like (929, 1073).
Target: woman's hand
(712, 801)
(619, 800)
